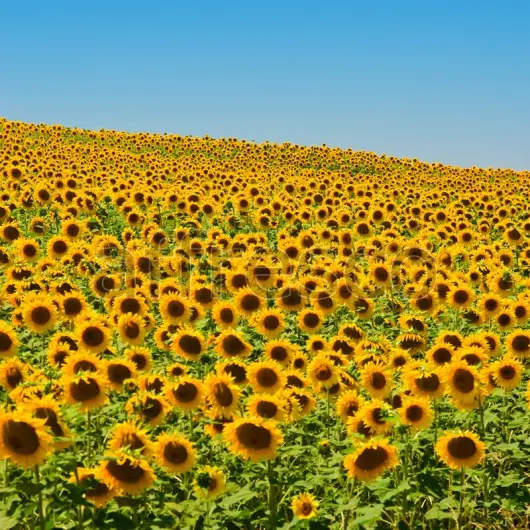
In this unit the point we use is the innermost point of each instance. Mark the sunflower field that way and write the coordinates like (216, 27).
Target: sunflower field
(213, 333)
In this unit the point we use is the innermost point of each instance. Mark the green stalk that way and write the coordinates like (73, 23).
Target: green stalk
(40, 500)
(272, 497)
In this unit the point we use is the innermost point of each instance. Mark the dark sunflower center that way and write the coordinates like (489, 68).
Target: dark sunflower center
(41, 315)
(236, 371)
(175, 453)
(233, 345)
(204, 295)
(424, 303)
(271, 322)
(507, 372)
(414, 413)
(14, 377)
(306, 508)
(521, 343)
(93, 336)
(223, 394)
(72, 306)
(250, 302)
(442, 355)
(291, 297)
(84, 390)
(20, 437)
(279, 353)
(151, 408)
(371, 458)
(130, 305)
(185, 392)
(430, 383)
(84, 366)
(461, 447)
(254, 437)
(132, 330)
(378, 380)
(463, 380)
(190, 344)
(227, 315)
(311, 320)
(125, 472)
(118, 373)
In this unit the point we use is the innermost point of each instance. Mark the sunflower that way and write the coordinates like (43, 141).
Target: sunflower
(231, 343)
(424, 380)
(322, 371)
(72, 305)
(304, 506)
(490, 304)
(358, 427)
(186, 394)
(8, 340)
(235, 369)
(94, 489)
(126, 474)
(13, 372)
(23, 439)
(88, 391)
(290, 297)
(370, 460)
(47, 409)
(225, 315)
(280, 351)
(364, 307)
(128, 436)
(507, 372)
(174, 309)
(441, 353)
(377, 415)
(141, 357)
(269, 322)
(416, 412)
(266, 376)
(271, 407)
(463, 382)
(27, 249)
(349, 404)
(151, 409)
(117, 371)
(209, 482)
(222, 395)
(472, 355)
(79, 362)
(518, 343)
(254, 439)
(177, 370)
(299, 403)
(376, 380)
(39, 314)
(310, 320)
(188, 344)
(131, 329)
(93, 335)
(460, 450)
(174, 453)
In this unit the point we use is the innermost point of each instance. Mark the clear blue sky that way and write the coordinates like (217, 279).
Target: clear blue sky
(441, 80)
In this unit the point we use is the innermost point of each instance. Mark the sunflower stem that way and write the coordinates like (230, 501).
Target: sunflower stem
(40, 501)
(328, 418)
(462, 493)
(89, 430)
(435, 421)
(272, 496)
(190, 418)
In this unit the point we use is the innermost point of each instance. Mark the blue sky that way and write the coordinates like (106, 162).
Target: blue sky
(443, 81)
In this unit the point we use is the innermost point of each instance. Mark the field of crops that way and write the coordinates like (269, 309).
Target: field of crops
(212, 333)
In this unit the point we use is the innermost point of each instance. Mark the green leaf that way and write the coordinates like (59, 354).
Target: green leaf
(368, 514)
(7, 522)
